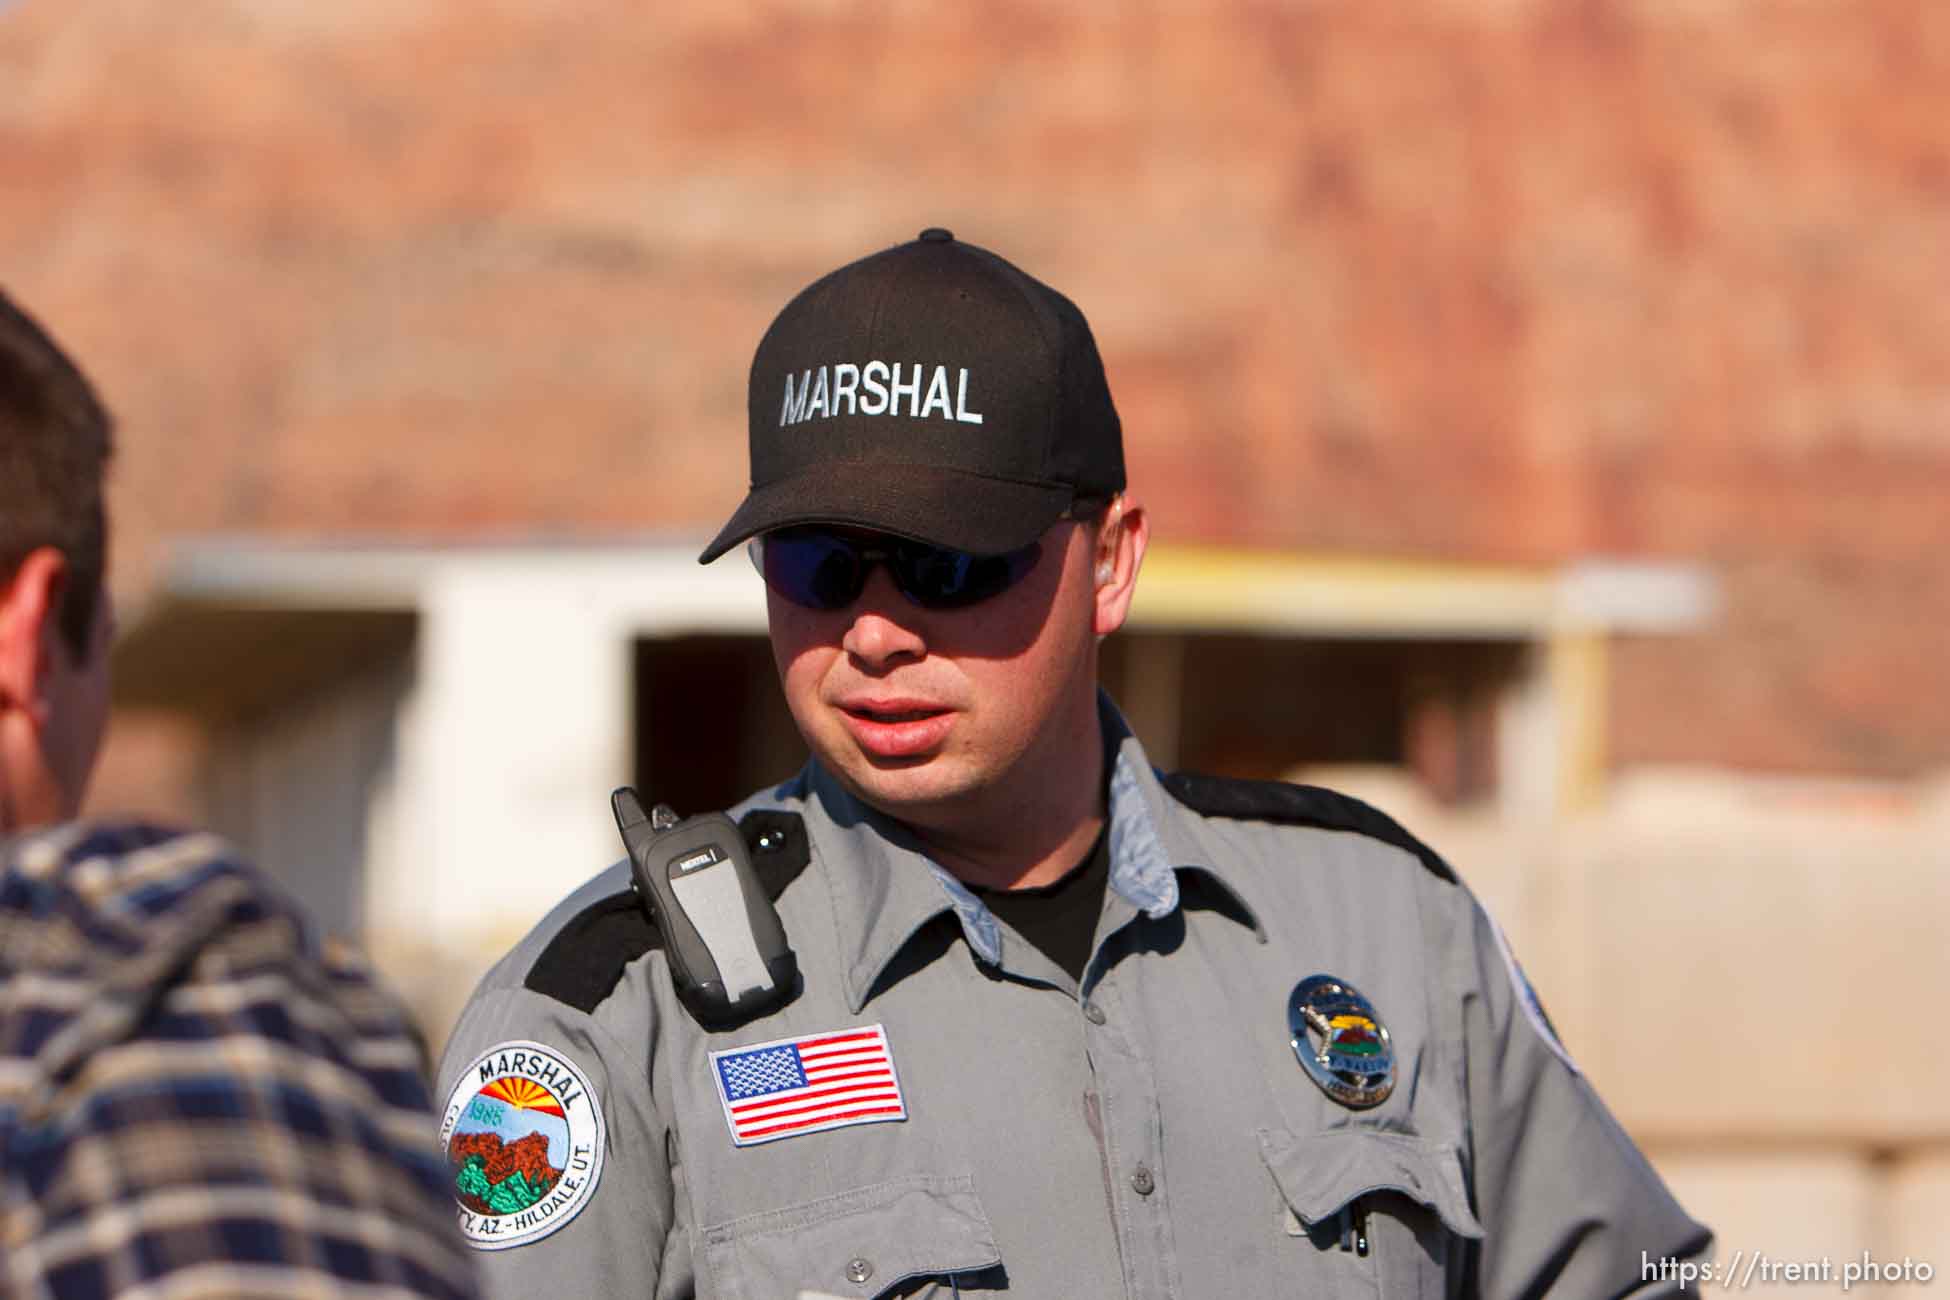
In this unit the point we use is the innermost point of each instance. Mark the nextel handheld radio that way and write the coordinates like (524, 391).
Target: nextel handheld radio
(727, 949)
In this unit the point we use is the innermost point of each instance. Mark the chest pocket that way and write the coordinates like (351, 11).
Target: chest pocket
(1381, 1214)
(907, 1237)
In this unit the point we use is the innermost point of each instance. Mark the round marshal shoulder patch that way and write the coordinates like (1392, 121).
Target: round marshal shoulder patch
(524, 1139)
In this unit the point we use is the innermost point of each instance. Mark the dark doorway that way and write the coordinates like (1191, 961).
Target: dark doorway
(711, 725)
(1260, 706)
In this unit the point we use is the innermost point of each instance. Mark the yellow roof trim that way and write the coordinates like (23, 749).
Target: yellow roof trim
(1210, 588)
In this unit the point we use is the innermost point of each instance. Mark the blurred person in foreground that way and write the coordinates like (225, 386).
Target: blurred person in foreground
(197, 1098)
(1063, 1026)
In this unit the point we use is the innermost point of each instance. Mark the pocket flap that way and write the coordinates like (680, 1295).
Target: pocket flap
(1320, 1174)
(858, 1243)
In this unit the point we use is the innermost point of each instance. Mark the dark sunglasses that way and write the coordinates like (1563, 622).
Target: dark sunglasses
(824, 570)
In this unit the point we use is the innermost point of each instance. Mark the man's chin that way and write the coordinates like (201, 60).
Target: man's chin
(902, 788)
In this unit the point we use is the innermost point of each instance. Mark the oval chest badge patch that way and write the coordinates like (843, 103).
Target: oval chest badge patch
(524, 1140)
(1340, 1041)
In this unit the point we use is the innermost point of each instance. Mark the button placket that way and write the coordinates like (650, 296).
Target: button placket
(1133, 1144)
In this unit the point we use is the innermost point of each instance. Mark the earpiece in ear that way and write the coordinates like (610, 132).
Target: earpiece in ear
(1107, 566)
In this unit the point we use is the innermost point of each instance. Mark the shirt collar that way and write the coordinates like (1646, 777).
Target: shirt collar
(1151, 835)
(885, 887)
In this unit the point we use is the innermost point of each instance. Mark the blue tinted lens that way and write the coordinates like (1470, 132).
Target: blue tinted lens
(827, 571)
(941, 579)
(814, 569)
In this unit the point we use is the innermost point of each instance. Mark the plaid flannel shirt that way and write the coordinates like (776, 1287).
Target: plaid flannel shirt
(196, 1097)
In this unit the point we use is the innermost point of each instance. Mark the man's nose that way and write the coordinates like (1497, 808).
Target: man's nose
(884, 630)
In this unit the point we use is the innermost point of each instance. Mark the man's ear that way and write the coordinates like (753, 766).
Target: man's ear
(1121, 540)
(30, 603)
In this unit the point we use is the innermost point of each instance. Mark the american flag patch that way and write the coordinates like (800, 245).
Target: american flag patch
(802, 1085)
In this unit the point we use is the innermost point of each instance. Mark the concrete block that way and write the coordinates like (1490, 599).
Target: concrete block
(1916, 1221)
(1780, 1217)
(1765, 960)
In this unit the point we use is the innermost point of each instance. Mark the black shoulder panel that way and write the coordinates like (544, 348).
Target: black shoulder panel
(582, 963)
(1301, 805)
(780, 850)
(586, 957)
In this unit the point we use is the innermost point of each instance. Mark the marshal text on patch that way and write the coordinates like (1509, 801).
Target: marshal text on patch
(543, 1068)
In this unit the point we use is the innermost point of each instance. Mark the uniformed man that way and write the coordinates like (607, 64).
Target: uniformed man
(1063, 1027)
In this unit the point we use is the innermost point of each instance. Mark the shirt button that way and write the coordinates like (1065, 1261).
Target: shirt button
(1142, 1183)
(1093, 1013)
(858, 1270)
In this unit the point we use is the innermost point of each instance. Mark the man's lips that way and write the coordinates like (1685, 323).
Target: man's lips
(896, 727)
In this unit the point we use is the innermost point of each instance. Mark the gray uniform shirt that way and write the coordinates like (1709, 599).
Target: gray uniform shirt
(1149, 1134)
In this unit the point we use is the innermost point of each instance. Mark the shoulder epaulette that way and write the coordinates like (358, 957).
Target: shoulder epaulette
(1300, 805)
(582, 963)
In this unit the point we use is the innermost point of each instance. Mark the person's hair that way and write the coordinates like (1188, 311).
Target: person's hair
(55, 442)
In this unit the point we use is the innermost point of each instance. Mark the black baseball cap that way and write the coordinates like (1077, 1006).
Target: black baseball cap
(932, 391)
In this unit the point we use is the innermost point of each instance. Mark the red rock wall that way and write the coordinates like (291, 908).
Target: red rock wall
(1492, 280)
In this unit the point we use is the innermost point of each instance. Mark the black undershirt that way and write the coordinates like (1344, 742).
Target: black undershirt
(1060, 919)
